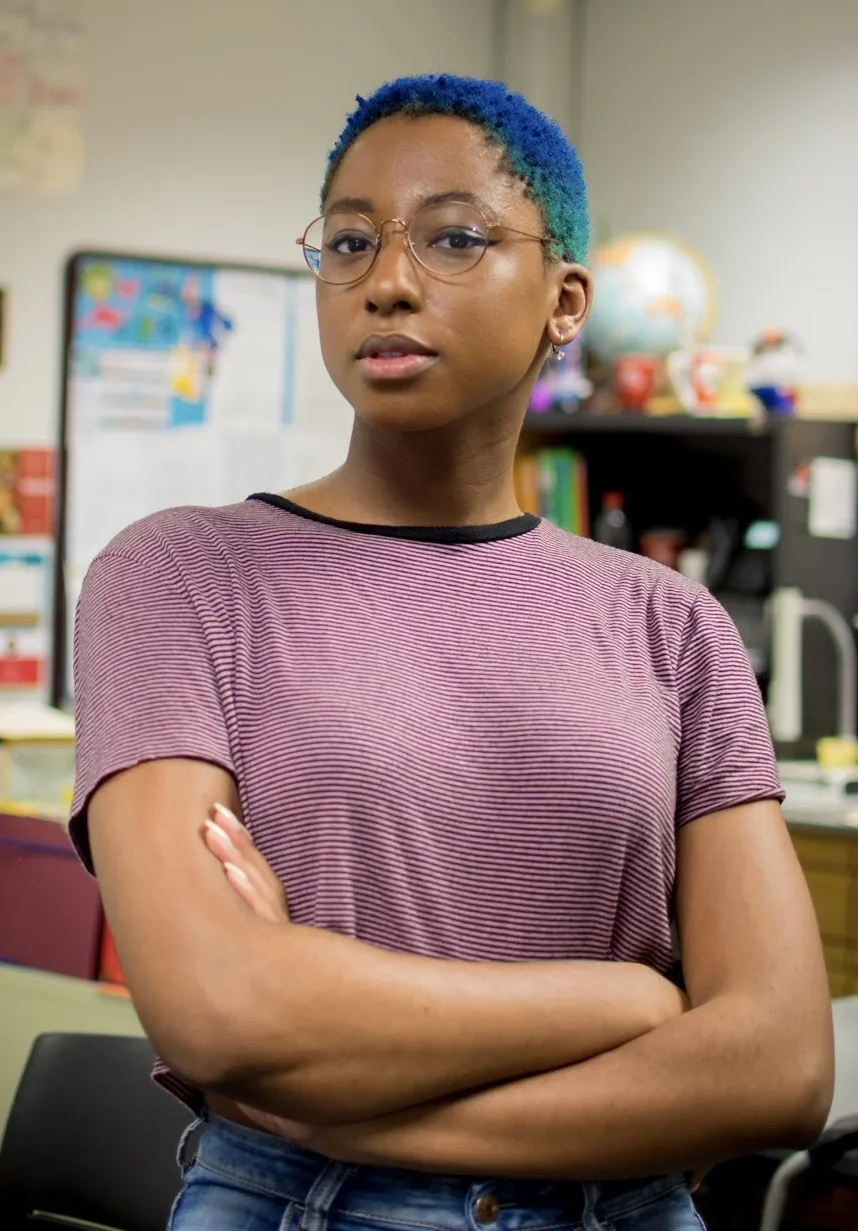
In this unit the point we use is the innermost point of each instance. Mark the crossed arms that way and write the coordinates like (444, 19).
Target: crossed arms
(556, 1069)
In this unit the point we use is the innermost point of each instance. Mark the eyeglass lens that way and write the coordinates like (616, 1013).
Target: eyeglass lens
(449, 238)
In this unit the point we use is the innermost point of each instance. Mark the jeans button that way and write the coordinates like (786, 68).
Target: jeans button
(486, 1208)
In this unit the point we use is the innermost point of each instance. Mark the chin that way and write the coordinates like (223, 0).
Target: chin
(403, 414)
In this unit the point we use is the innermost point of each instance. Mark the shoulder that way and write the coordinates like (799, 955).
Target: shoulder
(629, 587)
(176, 572)
(185, 539)
(194, 557)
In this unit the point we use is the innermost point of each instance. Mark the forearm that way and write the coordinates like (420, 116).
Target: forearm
(335, 1030)
(720, 1081)
(749, 1067)
(309, 1023)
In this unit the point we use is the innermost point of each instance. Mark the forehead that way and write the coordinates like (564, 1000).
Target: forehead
(401, 160)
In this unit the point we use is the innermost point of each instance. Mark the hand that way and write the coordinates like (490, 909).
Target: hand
(307, 1136)
(696, 1177)
(248, 872)
(258, 886)
(255, 882)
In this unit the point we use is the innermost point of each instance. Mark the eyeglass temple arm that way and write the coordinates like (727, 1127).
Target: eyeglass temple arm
(542, 239)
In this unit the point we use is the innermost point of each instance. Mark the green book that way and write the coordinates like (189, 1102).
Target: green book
(576, 493)
(547, 485)
(566, 483)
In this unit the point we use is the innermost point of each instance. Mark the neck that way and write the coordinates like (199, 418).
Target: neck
(458, 475)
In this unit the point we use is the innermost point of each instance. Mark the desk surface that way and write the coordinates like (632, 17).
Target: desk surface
(34, 1002)
(842, 821)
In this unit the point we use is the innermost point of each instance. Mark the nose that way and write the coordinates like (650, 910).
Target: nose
(394, 283)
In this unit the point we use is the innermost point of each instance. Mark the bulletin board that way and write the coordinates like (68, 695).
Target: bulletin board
(184, 383)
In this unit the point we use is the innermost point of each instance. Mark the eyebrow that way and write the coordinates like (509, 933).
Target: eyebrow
(467, 198)
(363, 205)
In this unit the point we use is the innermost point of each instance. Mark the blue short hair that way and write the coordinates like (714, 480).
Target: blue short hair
(535, 149)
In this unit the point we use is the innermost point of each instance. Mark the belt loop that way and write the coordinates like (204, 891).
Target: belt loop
(592, 1193)
(323, 1192)
(184, 1141)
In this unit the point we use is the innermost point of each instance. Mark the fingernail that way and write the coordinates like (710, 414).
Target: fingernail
(221, 833)
(234, 872)
(228, 818)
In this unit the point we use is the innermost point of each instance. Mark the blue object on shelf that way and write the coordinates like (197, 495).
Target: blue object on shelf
(776, 400)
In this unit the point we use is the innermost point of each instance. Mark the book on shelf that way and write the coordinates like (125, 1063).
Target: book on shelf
(526, 479)
(552, 483)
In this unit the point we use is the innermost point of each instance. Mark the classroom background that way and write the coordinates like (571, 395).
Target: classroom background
(158, 347)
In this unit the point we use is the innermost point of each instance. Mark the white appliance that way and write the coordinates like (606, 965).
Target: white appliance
(788, 609)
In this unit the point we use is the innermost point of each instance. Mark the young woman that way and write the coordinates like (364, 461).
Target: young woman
(492, 765)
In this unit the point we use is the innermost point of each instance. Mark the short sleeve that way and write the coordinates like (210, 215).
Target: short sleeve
(726, 756)
(145, 682)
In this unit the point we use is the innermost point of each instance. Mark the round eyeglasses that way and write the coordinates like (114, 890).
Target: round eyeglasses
(449, 238)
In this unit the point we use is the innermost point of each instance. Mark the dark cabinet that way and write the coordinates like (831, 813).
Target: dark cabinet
(684, 472)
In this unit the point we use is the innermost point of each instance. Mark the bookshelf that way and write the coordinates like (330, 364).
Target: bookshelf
(681, 471)
(582, 423)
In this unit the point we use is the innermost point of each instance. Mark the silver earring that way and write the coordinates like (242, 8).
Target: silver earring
(558, 352)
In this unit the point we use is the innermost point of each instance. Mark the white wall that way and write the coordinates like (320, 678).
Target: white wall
(539, 52)
(734, 123)
(206, 127)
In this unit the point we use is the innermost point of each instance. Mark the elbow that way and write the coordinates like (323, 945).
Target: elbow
(292, 1084)
(804, 1100)
(201, 1067)
(221, 1038)
(211, 1047)
(810, 1113)
(786, 1076)
(204, 1057)
(223, 1054)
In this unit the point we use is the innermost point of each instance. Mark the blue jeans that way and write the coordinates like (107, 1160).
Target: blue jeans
(243, 1180)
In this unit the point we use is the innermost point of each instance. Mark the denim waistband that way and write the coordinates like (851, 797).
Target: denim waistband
(319, 1187)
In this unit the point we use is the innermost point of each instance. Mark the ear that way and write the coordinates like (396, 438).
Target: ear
(573, 299)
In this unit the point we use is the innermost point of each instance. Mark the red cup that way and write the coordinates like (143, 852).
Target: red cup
(635, 379)
(663, 545)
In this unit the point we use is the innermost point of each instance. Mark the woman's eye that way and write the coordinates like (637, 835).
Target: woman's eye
(458, 239)
(350, 243)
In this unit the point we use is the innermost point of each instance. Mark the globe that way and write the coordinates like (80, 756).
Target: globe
(652, 295)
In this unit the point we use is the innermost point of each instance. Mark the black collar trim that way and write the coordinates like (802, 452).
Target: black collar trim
(421, 534)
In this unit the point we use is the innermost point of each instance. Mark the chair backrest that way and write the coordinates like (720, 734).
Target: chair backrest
(90, 1137)
(837, 1148)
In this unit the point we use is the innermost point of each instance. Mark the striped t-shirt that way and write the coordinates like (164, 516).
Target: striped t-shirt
(472, 743)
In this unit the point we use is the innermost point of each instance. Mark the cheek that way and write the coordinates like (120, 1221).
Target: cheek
(499, 328)
(491, 328)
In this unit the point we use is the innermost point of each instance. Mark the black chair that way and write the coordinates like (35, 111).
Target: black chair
(834, 1158)
(90, 1138)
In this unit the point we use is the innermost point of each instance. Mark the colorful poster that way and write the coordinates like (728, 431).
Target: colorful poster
(187, 384)
(27, 491)
(27, 496)
(146, 344)
(25, 583)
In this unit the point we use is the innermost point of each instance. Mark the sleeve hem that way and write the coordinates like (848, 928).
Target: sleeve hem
(78, 826)
(695, 812)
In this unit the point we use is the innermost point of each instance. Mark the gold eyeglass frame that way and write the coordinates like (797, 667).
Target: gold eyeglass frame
(406, 227)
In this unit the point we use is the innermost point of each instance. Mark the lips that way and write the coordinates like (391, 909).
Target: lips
(394, 357)
(392, 345)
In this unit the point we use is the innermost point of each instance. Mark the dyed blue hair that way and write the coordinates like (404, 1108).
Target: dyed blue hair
(535, 149)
